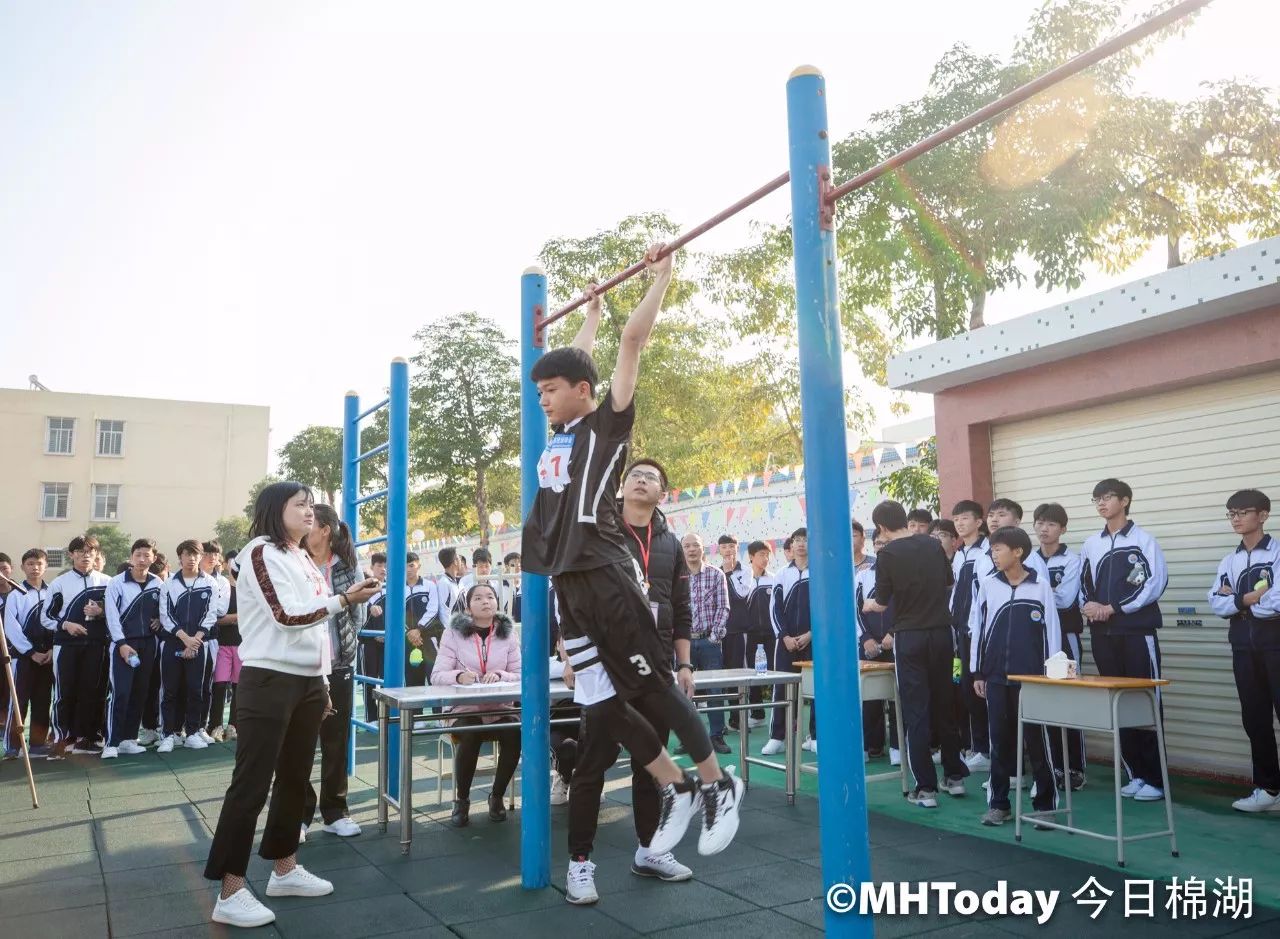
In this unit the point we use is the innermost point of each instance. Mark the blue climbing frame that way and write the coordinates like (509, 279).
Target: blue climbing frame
(396, 537)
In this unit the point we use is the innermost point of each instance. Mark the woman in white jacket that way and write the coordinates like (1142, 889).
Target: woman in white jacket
(284, 608)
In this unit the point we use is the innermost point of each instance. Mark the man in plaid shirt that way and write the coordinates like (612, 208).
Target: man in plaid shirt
(709, 598)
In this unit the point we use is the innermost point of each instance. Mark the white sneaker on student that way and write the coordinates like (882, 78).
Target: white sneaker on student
(977, 762)
(1133, 788)
(809, 744)
(1258, 801)
(580, 883)
(559, 790)
(110, 753)
(754, 722)
(131, 747)
(166, 744)
(195, 742)
(219, 734)
(1148, 793)
(205, 736)
(299, 882)
(895, 757)
(344, 827)
(147, 737)
(771, 747)
(665, 867)
(720, 803)
(242, 908)
(231, 732)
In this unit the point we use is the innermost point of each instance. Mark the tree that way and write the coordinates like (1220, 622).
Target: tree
(466, 385)
(916, 486)
(232, 532)
(115, 544)
(313, 457)
(255, 491)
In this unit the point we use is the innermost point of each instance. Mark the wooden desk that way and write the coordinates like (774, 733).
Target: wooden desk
(1098, 703)
(876, 682)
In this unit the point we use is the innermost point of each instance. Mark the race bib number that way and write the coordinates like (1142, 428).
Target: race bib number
(553, 467)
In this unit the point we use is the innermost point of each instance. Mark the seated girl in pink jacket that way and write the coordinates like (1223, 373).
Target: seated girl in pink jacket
(480, 647)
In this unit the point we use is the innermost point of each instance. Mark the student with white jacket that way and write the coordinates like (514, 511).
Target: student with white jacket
(284, 609)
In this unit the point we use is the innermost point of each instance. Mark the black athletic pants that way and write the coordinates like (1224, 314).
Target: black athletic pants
(466, 752)
(371, 660)
(279, 718)
(181, 688)
(335, 734)
(783, 659)
(129, 687)
(1257, 674)
(151, 710)
(1129, 655)
(77, 690)
(923, 659)
(221, 689)
(973, 729)
(1075, 739)
(35, 695)
(1002, 710)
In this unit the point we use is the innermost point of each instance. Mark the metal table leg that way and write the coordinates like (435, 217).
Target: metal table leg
(1119, 764)
(902, 737)
(1066, 769)
(407, 716)
(744, 739)
(383, 740)
(1164, 769)
(790, 745)
(1017, 799)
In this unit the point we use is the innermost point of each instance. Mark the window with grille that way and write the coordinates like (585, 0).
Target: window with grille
(55, 500)
(110, 438)
(57, 558)
(61, 435)
(106, 502)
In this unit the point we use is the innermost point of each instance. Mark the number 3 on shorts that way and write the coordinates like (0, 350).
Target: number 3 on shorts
(641, 664)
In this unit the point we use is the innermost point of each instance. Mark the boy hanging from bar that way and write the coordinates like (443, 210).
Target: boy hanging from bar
(608, 626)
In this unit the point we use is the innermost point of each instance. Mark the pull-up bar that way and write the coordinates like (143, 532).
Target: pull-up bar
(980, 116)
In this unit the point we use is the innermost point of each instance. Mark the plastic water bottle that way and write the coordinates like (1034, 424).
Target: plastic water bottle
(134, 661)
(762, 660)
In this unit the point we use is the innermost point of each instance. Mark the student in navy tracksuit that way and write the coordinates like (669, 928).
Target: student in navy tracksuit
(32, 647)
(188, 610)
(420, 602)
(875, 644)
(211, 566)
(1123, 575)
(133, 608)
(150, 733)
(792, 631)
(373, 648)
(512, 564)
(1014, 626)
(1245, 592)
(74, 611)
(760, 631)
(1064, 577)
(971, 711)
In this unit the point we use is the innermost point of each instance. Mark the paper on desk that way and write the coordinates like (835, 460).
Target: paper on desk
(486, 686)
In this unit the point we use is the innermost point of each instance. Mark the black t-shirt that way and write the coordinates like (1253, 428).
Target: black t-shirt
(573, 525)
(913, 573)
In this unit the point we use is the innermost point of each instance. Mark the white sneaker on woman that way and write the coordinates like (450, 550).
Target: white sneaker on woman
(299, 882)
(559, 790)
(580, 883)
(242, 908)
(344, 827)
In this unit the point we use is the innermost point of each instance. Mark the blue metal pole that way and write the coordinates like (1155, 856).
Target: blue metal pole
(397, 541)
(842, 787)
(350, 491)
(535, 634)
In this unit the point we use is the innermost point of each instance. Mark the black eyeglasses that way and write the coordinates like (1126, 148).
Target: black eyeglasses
(1233, 514)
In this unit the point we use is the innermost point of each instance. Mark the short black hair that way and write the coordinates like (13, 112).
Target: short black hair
(5, 559)
(159, 564)
(34, 554)
(920, 515)
(650, 461)
(411, 557)
(944, 525)
(889, 516)
(447, 556)
(968, 507)
(1013, 537)
(212, 546)
(481, 556)
(1008, 505)
(727, 539)
(191, 546)
(857, 526)
(1050, 512)
(1249, 499)
(572, 364)
(268, 512)
(143, 543)
(786, 545)
(378, 557)
(511, 556)
(1117, 486)
(800, 532)
(756, 546)
(83, 543)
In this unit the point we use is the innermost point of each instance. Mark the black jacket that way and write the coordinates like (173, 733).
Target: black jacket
(668, 579)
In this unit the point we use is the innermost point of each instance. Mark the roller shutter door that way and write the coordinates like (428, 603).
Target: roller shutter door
(1183, 452)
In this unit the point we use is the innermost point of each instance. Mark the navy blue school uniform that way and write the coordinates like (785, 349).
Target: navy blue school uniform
(372, 651)
(190, 607)
(77, 660)
(132, 608)
(1254, 635)
(790, 614)
(760, 632)
(873, 626)
(1127, 572)
(1014, 629)
(1064, 576)
(971, 710)
(26, 634)
(421, 603)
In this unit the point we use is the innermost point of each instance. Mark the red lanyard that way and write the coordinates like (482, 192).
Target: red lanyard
(482, 652)
(644, 548)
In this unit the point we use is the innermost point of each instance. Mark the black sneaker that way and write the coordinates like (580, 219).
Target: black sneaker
(677, 804)
(87, 748)
(718, 744)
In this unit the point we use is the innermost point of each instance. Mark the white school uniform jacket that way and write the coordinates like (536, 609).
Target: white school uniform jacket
(1257, 627)
(789, 610)
(1014, 629)
(1127, 572)
(132, 606)
(22, 625)
(1064, 576)
(68, 595)
(984, 567)
(190, 606)
(962, 571)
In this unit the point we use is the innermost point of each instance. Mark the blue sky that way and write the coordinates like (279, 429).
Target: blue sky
(261, 201)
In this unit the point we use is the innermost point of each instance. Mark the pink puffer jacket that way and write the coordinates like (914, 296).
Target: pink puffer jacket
(462, 648)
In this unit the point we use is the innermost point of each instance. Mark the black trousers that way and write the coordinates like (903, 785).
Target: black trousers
(221, 690)
(782, 660)
(1075, 739)
(759, 639)
(973, 720)
(371, 654)
(466, 752)
(1257, 675)
(1002, 712)
(923, 658)
(597, 751)
(279, 718)
(335, 734)
(35, 695)
(210, 651)
(181, 688)
(151, 710)
(77, 691)
(564, 740)
(129, 687)
(1127, 655)
(873, 717)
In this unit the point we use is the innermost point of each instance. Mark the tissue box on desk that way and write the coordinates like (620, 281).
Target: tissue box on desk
(1059, 666)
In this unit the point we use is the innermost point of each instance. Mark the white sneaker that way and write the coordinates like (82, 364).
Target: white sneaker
(1148, 793)
(302, 835)
(772, 747)
(559, 790)
(299, 882)
(231, 732)
(219, 734)
(895, 757)
(1132, 789)
(344, 827)
(977, 762)
(131, 747)
(205, 736)
(1258, 801)
(166, 746)
(110, 753)
(720, 803)
(809, 744)
(580, 883)
(754, 722)
(676, 809)
(242, 908)
(662, 866)
(148, 737)
(195, 742)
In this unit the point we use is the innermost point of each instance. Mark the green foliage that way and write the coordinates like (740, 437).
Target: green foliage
(115, 544)
(232, 532)
(313, 457)
(255, 491)
(916, 486)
